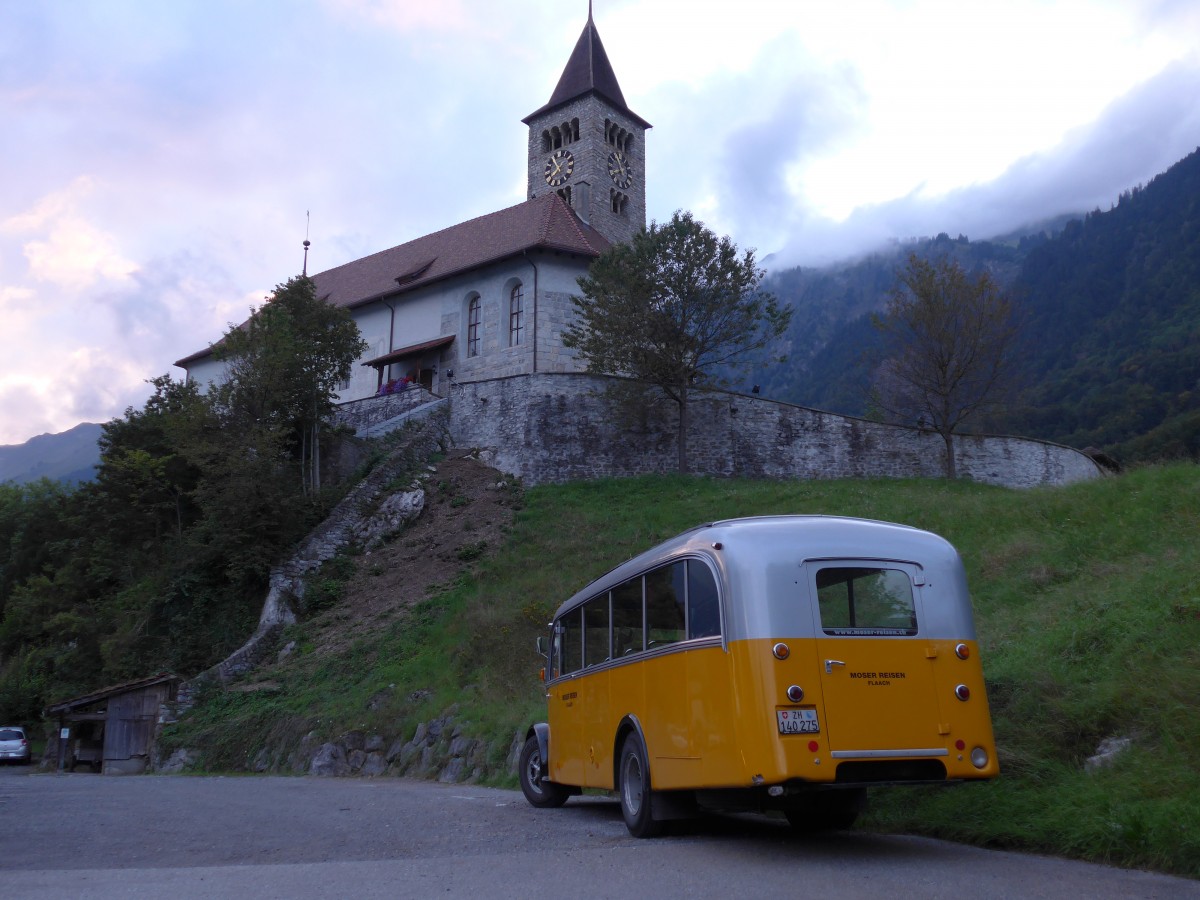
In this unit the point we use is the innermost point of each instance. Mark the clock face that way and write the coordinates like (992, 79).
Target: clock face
(559, 167)
(619, 169)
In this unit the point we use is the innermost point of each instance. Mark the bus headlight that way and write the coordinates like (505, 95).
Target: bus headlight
(979, 757)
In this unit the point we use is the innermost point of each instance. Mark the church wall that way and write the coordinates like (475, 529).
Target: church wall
(558, 282)
(555, 428)
(493, 285)
(373, 322)
(205, 372)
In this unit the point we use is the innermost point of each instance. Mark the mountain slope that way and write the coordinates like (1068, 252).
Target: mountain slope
(70, 456)
(1110, 308)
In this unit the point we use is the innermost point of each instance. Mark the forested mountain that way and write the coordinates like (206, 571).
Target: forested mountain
(1110, 310)
(69, 457)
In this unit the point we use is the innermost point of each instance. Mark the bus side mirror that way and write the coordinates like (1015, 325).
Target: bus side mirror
(543, 645)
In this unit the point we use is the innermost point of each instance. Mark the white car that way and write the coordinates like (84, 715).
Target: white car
(14, 745)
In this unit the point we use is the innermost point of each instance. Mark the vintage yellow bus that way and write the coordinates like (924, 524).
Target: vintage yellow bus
(771, 663)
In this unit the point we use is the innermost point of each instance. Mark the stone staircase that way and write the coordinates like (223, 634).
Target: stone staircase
(379, 429)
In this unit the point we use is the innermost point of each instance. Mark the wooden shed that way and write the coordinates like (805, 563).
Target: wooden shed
(113, 729)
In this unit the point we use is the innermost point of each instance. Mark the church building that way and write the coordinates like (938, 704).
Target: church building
(491, 297)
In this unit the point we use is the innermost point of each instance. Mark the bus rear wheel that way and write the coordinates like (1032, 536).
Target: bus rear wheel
(635, 789)
(539, 793)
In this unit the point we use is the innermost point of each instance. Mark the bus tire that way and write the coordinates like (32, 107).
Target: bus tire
(531, 768)
(635, 789)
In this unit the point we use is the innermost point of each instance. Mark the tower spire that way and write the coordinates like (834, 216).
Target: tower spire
(307, 243)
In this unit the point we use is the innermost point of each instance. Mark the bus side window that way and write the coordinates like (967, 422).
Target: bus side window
(665, 591)
(571, 655)
(627, 618)
(704, 613)
(595, 631)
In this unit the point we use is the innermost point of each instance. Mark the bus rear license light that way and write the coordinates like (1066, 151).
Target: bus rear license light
(962, 651)
(979, 757)
(795, 693)
(781, 650)
(962, 692)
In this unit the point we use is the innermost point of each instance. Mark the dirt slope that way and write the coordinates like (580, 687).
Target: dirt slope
(468, 509)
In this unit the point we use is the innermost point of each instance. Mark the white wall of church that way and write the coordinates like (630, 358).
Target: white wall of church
(206, 371)
(373, 322)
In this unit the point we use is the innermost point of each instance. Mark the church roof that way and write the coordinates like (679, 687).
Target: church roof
(587, 71)
(545, 223)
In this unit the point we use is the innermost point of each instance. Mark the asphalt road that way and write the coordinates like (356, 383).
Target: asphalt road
(181, 837)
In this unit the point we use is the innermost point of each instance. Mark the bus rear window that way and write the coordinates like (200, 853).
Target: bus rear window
(861, 600)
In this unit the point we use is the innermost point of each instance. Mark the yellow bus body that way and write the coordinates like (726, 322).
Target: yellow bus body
(709, 715)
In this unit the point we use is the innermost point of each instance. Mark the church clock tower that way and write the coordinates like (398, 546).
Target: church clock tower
(587, 146)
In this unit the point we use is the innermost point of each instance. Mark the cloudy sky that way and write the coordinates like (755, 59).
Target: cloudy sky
(159, 160)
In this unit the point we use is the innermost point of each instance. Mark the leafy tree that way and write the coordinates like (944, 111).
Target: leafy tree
(283, 367)
(674, 309)
(947, 338)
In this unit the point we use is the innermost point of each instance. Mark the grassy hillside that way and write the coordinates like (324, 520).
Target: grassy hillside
(1087, 607)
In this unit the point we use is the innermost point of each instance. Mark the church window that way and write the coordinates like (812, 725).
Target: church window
(516, 316)
(565, 193)
(619, 202)
(473, 321)
(617, 136)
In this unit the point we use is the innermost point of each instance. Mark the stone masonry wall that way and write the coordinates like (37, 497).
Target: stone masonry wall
(556, 427)
(361, 414)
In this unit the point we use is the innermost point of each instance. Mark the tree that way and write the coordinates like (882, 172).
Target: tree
(947, 343)
(675, 309)
(283, 367)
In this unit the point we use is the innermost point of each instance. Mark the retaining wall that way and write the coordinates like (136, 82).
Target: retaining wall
(558, 427)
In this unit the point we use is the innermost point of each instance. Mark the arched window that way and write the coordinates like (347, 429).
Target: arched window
(473, 326)
(619, 202)
(516, 316)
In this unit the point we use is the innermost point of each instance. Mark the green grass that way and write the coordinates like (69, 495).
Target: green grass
(1087, 603)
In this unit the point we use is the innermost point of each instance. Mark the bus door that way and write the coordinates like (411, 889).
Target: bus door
(565, 709)
(876, 679)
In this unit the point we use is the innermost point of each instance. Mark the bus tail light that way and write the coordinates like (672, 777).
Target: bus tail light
(543, 673)
(962, 692)
(795, 693)
(962, 651)
(979, 757)
(781, 650)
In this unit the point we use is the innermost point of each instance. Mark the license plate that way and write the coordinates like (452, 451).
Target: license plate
(798, 721)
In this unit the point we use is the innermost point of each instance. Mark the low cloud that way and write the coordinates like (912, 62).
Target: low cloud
(1139, 136)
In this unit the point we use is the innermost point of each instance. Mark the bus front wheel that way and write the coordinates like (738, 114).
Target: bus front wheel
(635, 789)
(543, 794)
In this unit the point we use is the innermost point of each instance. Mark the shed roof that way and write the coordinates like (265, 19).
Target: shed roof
(74, 703)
